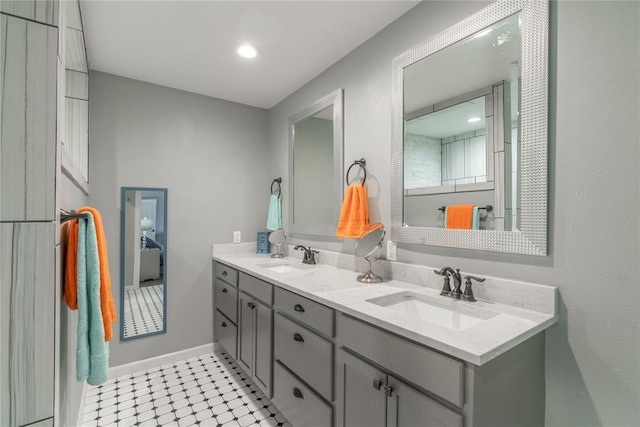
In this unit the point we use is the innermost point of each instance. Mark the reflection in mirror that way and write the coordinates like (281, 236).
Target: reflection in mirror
(277, 238)
(315, 167)
(469, 127)
(143, 261)
(458, 137)
(369, 246)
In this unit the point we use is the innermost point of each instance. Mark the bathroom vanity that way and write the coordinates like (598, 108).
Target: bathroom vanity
(330, 351)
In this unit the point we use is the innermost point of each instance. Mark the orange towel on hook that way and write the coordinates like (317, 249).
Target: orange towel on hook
(460, 217)
(107, 305)
(354, 215)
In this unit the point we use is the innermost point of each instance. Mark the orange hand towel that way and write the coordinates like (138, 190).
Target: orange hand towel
(460, 217)
(107, 305)
(71, 267)
(354, 215)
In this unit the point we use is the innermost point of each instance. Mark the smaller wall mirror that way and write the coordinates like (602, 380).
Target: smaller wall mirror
(143, 262)
(315, 167)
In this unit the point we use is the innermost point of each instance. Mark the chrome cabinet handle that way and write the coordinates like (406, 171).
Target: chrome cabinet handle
(298, 337)
(251, 305)
(377, 384)
(298, 308)
(387, 390)
(224, 273)
(224, 324)
(224, 290)
(297, 393)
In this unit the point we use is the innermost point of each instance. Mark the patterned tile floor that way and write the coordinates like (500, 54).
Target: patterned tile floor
(209, 390)
(143, 310)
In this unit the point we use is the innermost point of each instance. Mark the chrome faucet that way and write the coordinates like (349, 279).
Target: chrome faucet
(309, 254)
(457, 282)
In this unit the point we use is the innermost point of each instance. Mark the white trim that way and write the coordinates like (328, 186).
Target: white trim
(83, 397)
(141, 365)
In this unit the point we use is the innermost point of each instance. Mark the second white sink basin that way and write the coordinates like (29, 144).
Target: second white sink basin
(287, 268)
(451, 314)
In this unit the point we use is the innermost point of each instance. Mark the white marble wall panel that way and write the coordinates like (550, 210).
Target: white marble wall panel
(27, 305)
(76, 141)
(72, 13)
(45, 11)
(75, 54)
(28, 134)
(77, 85)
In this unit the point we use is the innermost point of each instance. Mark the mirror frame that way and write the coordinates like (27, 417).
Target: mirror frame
(335, 98)
(123, 193)
(531, 239)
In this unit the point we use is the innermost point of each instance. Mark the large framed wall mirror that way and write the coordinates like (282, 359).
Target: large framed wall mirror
(143, 262)
(469, 127)
(315, 167)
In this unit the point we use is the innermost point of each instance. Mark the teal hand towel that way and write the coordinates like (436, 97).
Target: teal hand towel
(475, 222)
(92, 356)
(274, 217)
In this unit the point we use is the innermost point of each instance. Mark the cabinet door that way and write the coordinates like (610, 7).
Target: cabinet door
(263, 350)
(407, 408)
(246, 330)
(361, 401)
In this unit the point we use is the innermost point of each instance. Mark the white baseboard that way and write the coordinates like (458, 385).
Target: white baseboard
(83, 397)
(141, 365)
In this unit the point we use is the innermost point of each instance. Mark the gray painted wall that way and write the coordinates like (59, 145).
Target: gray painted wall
(593, 353)
(212, 155)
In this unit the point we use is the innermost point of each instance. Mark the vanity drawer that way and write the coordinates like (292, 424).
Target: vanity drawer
(257, 288)
(227, 274)
(297, 402)
(227, 300)
(310, 312)
(305, 353)
(226, 333)
(432, 371)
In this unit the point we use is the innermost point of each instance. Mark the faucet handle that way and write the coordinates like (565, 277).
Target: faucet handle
(468, 292)
(441, 272)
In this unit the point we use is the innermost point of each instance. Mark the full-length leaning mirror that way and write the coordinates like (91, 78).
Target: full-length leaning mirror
(143, 262)
(315, 167)
(469, 127)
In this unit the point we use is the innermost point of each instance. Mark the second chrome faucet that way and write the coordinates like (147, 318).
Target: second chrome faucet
(457, 292)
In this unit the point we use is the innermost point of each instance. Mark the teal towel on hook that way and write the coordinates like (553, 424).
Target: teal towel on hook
(475, 220)
(274, 217)
(92, 354)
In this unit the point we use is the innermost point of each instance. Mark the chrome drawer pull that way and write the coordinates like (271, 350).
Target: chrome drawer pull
(224, 324)
(377, 384)
(251, 305)
(297, 393)
(224, 273)
(298, 337)
(298, 308)
(388, 390)
(224, 290)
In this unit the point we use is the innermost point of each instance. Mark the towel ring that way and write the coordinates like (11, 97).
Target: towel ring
(276, 181)
(362, 163)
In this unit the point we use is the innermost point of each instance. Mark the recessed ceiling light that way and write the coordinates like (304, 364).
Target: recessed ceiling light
(474, 119)
(248, 51)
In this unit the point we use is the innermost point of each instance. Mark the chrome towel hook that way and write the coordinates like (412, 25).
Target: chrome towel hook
(362, 163)
(279, 188)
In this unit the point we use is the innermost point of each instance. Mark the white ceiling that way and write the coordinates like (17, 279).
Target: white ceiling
(191, 45)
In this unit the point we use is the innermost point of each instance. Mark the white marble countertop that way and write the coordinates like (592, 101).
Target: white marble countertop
(339, 289)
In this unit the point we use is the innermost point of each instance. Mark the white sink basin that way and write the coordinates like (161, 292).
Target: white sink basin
(447, 313)
(287, 268)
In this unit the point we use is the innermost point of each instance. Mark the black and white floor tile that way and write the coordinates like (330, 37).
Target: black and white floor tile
(209, 390)
(143, 310)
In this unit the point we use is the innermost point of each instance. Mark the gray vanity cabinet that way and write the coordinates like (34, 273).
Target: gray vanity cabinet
(368, 396)
(225, 315)
(255, 330)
